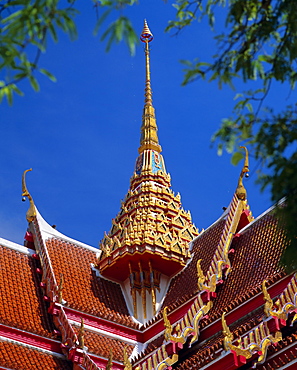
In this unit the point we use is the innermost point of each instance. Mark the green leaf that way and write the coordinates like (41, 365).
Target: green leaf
(34, 83)
(101, 20)
(48, 74)
(236, 158)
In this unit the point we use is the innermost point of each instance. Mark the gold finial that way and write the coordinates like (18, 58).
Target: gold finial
(31, 213)
(240, 191)
(146, 37)
(149, 137)
(127, 363)
(60, 289)
(109, 363)
(81, 334)
(168, 326)
(228, 336)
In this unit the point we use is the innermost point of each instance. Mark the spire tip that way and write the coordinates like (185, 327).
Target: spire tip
(146, 35)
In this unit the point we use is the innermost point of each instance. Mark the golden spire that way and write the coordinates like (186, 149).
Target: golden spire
(240, 191)
(149, 137)
(31, 213)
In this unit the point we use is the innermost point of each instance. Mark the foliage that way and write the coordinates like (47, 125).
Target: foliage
(259, 44)
(121, 28)
(25, 27)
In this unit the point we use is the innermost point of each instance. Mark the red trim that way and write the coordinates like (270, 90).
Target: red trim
(29, 338)
(283, 356)
(146, 334)
(76, 356)
(99, 323)
(174, 316)
(226, 363)
(292, 366)
(244, 309)
(124, 331)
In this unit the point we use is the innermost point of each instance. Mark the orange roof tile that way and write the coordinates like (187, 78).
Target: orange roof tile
(21, 298)
(276, 358)
(99, 344)
(16, 357)
(184, 285)
(256, 257)
(83, 290)
(200, 355)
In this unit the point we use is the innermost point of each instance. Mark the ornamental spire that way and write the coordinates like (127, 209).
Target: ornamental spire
(31, 213)
(149, 137)
(240, 191)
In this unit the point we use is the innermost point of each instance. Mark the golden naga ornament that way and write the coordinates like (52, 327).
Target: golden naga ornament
(31, 213)
(201, 280)
(81, 334)
(241, 191)
(256, 342)
(284, 305)
(127, 363)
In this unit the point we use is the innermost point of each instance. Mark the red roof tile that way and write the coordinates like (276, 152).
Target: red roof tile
(16, 357)
(21, 298)
(256, 257)
(83, 290)
(99, 344)
(202, 354)
(184, 285)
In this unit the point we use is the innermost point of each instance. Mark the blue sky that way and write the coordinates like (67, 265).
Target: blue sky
(81, 134)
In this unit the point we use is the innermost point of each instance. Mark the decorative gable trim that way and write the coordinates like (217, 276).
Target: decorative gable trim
(16, 247)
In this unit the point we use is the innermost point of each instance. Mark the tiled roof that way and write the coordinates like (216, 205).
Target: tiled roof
(256, 257)
(200, 355)
(82, 289)
(21, 301)
(16, 357)
(278, 357)
(184, 285)
(99, 344)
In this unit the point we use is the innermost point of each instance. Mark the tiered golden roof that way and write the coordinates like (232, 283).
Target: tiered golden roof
(151, 219)
(151, 226)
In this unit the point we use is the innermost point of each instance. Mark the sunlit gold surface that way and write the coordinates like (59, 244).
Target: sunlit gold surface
(241, 191)
(31, 213)
(257, 341)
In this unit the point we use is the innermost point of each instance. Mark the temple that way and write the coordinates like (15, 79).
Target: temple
(158, 293)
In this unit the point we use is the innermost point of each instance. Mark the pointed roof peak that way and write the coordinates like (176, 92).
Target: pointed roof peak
(31, 213)
(241, 191)
(146, 35)
(149, 138)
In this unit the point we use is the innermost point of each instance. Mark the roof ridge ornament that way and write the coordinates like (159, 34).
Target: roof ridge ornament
(31, 213)
(240, 190)
(149, 137)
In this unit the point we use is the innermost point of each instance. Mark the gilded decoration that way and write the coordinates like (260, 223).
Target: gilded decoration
(127, 363)
(284, 305)
(109, 363)
(201, 280)
(241, 191)
(81, 334)
(189, 324)
(255, 342)
(60, 289)
(151, 214)
(168, 362)
(151, 224)
(31, 213)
